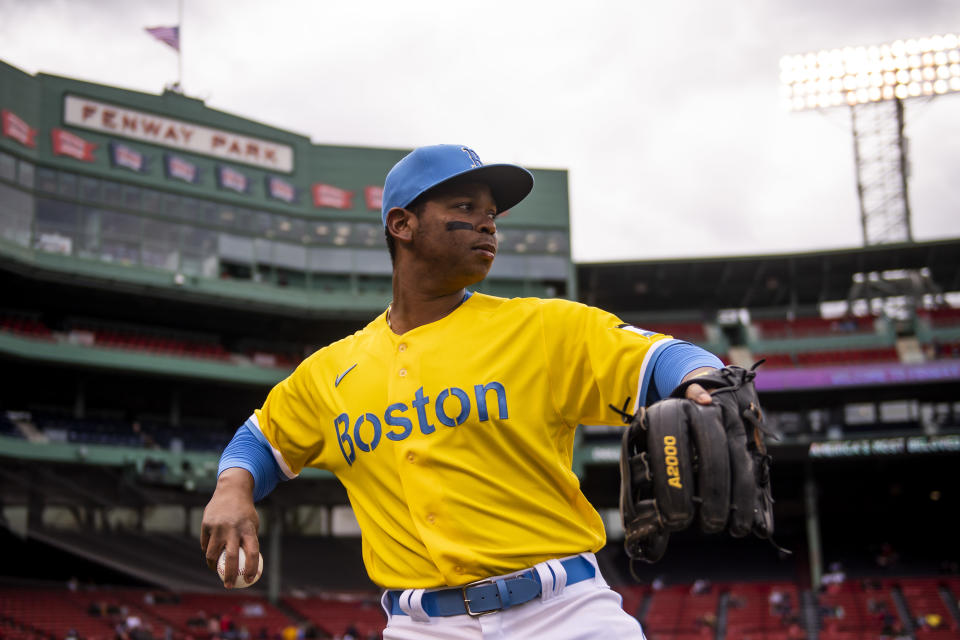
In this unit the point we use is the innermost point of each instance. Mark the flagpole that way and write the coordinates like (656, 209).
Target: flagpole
(180, 46)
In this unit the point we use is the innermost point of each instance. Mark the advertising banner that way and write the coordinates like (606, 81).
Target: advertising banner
(232, 179)
(177, 168)
(327, 195)
(281, 189)
(73, 146)
(123, 156)
(16, 128)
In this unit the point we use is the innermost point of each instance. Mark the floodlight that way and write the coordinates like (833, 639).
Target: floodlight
(874, 82)
(897, 70)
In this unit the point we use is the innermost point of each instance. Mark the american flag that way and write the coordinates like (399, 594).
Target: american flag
(168, 35)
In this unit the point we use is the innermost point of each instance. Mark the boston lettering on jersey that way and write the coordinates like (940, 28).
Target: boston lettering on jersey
(451, 408)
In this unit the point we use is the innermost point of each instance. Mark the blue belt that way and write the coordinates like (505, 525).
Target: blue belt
(489, 596)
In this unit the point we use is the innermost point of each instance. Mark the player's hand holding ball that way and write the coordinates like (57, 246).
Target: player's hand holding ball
(244, 577)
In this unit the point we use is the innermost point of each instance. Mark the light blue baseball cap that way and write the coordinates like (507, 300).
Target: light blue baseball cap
(427, 167)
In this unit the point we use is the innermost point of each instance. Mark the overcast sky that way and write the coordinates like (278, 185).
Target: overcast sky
(666, 114)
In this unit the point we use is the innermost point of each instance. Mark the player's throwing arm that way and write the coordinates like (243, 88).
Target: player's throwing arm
(230, 522)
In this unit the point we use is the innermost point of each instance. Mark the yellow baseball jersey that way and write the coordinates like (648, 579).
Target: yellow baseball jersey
(455, 440)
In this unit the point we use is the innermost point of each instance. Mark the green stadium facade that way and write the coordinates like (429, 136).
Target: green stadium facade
(162, 191)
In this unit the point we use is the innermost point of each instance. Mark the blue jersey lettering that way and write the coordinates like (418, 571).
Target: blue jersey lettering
(375, 421)
(367, 438)
(397, 421)
(464, 407)
(344, 419)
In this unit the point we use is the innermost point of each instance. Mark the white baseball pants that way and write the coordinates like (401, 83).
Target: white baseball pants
(587, 610)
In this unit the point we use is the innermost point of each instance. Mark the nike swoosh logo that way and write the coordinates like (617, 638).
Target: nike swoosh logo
(340, 377)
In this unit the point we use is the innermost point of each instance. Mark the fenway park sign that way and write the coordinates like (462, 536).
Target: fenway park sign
(176, 134)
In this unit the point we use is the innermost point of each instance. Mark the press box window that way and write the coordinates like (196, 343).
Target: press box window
(8, 167)
(860, 413)
(46, 180)
(90, 189)
(25, 177)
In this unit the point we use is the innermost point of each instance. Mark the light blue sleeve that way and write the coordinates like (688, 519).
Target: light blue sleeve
(673, 362)
(249, 449)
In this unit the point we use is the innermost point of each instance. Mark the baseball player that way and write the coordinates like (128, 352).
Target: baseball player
(450, 421)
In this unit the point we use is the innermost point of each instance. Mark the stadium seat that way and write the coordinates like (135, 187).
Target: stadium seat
(776, 360)
(692, 331)
(942, 317)
(922, 596)
(813, 326)
(336, 612)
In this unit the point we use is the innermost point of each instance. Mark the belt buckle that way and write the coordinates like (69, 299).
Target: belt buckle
(466, 600)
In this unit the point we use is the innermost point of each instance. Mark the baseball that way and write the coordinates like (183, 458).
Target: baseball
(242, 579)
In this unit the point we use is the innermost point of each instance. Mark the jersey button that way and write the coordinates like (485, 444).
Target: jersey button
(402, 373)
(431, 518)
(411, 457)
(458, 569)
(402, 347)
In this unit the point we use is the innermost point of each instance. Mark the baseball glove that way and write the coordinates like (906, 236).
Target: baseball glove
(682, 461)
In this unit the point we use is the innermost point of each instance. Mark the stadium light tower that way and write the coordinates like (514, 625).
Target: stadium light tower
(874, 82)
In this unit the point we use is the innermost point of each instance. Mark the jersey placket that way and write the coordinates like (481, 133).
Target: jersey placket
(406, 382)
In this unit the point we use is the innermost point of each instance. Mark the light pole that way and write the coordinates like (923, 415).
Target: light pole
(874, 82)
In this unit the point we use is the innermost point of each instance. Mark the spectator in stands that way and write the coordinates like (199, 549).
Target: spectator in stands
(832, 611)
(887, 556)
(878, 610)
(213, 625)
(707, 621)
(777, 599)
(795, 631)
(832, 580)
(145, 439)
(844, 325)
(141, 633)
(929, 621)
(700, 587)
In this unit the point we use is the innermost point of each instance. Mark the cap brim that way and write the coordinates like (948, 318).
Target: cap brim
(509, 183)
